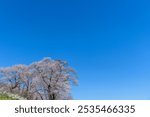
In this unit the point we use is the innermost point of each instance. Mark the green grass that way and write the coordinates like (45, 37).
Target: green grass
(6, 97)
(10, 96)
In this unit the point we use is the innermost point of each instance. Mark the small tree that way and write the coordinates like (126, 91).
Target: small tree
(43, 80)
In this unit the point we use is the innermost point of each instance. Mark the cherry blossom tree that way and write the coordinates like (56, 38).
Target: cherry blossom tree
(43, 80)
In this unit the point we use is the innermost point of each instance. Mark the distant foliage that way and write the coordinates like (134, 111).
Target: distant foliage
(43, 80)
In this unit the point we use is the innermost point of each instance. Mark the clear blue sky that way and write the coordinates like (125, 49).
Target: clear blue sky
(106, 41)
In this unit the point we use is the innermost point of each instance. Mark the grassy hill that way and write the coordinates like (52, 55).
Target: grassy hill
(9, 96)
(6, 97)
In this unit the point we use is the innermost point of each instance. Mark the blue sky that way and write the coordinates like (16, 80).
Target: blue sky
(106, 41)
